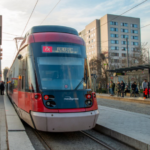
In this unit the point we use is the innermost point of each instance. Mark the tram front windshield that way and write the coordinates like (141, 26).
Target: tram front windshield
(63, 73)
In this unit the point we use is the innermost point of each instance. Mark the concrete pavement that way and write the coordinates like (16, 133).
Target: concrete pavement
(128, 127)
(17, 137)
(3, 126)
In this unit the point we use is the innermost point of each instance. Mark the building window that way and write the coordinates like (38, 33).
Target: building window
(114, 42)
(114, 35)
(124, 42)
(113, 29)
(92, 40)
(124, 49)
(89, 36)
(134, 25)
(134, 31)
(113, 23)
(114, 54)
(89, 42)
(123, 54)
(124, 24)
(134, 49)
(115, 60)
(124, 30)
(124, 36)
(134, 37)
(89, 31)
(135, 43)
(114, 48)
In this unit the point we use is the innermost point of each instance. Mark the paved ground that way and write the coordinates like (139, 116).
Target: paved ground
(128, 124)
(3, 131)
(128, 106)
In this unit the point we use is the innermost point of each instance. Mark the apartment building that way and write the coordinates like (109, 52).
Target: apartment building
(91, 36)
(109, 33)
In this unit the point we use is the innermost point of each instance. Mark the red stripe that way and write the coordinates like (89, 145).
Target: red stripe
(52, 37)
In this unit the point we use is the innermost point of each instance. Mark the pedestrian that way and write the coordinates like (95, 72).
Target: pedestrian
(134, 88)
(2, 87)
(108, 88)
(122, 88)
(118, 89)
(145, 88)
(126, 90)
(111, 88)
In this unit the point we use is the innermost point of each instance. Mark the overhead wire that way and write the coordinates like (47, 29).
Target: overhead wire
(50, 12)
(29, 17)
(10, 34)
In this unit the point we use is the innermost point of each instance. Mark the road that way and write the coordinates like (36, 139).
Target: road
(128, 106)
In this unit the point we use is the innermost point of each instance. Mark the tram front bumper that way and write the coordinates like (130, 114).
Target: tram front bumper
(65, 122)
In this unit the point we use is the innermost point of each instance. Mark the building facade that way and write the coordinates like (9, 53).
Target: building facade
(109, 33)
(91, 36)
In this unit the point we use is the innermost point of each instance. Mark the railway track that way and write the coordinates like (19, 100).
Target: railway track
(96, 140)
(47, 146)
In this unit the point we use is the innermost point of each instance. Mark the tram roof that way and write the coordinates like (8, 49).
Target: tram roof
(139, 67)
(52, 28)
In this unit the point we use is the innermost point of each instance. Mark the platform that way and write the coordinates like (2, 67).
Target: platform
(17, 137)
(128, 127)
(126, 98)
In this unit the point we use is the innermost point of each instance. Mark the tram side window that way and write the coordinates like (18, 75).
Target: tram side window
(30, 76)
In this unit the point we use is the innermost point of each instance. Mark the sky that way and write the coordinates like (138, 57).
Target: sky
(72, 13)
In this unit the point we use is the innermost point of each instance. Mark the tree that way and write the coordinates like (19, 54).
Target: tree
(5, 71)
(139, 56)
(99, 66)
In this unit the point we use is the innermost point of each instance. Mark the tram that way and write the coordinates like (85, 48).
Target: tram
(49, 81)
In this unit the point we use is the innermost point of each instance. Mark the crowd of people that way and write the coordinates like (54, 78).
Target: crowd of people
(122, 90)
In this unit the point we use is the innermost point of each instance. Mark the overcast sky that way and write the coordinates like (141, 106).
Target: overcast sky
(72, 13)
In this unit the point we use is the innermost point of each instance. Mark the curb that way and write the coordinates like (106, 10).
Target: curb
(124, 99)
(123, 138)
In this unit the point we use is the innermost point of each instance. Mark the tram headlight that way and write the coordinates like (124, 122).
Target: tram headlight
(48, 103)
(46, 97)
(88, 96)
(88, 102)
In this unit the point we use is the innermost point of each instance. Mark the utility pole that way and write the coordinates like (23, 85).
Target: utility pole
(127, 52)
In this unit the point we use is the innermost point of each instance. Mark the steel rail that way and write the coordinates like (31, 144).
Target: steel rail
(97, 140)
(42, 140)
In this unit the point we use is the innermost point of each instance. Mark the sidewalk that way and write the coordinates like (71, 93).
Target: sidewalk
(17, 137)
(3, 126)
(128, 127)
(126, 98)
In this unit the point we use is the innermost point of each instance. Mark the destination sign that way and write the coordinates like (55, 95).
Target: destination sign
(55, 49)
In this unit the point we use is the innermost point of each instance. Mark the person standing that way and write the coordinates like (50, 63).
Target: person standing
(145, 87)
(134, 88)
(2, 87)
(122, 88)
(118, 89)
(111, 88)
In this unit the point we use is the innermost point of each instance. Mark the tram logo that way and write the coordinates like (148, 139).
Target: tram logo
(68, 98)
(47, 49)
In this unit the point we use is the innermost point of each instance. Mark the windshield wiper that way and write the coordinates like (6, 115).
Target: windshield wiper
(79, 84)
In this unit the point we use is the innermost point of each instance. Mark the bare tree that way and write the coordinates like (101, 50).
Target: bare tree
(99, 66)
(139, 56)
(5, 71)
